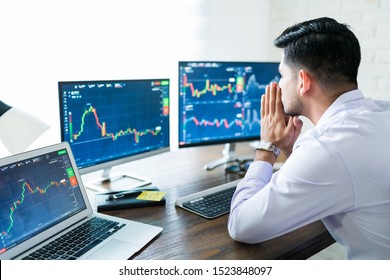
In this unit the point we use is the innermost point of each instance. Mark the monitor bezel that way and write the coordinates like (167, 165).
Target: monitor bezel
(219, 141)
(110, 163)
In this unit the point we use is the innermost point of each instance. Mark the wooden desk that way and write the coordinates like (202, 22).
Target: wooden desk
(189, 236)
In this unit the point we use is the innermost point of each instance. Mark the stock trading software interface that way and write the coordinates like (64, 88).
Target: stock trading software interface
(109, 120)
(36, 193)
(219, 102)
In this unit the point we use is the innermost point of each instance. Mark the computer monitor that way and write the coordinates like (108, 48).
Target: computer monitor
(111, 122)
(219, 102)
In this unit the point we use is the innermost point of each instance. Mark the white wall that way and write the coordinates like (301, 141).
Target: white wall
(236, 30)
(46, 41)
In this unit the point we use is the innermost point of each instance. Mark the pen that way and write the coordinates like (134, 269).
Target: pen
(120, 195)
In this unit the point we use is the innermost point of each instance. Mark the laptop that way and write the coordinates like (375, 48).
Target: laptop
(44, 205)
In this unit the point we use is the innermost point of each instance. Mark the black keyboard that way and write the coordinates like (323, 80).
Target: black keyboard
(78, 241)
(212, 205)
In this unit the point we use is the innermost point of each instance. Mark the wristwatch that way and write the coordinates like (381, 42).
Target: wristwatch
(269, 147)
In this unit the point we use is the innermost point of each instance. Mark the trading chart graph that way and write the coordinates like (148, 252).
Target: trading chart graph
(32, 200)
(103, 128)
(106, 120)
(220, 101)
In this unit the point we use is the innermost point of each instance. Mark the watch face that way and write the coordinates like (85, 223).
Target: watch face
(265, 145)
(268, 146)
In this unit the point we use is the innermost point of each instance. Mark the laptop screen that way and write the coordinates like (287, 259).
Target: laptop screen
(36, 194)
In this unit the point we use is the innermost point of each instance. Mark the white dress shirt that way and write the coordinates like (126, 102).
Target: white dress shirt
(339, 172)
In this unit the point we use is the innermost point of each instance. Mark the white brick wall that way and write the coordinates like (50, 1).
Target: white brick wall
(370, 21)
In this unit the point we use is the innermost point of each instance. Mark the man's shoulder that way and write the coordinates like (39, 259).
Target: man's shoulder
(383, 105)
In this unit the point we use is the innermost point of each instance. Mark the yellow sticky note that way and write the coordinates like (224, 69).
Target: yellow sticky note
(151, 195)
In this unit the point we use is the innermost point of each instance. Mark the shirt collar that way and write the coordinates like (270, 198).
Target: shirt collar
(341, 101)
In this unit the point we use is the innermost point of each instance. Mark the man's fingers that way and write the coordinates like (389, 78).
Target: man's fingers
(278, 104)
(262, 109)
(265, 104)
(298, 123)
(272, 98)
(290, 123)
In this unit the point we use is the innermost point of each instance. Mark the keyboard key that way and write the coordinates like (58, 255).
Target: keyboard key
(212, 205)
(78, 241)
(87, 248)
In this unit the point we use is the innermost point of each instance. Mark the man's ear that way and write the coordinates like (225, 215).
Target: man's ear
(304, 82)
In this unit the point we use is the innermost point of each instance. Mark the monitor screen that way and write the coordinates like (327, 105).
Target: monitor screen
(111, 122)
(219, 102)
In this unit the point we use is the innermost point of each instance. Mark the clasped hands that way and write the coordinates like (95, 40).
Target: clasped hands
(277, 127)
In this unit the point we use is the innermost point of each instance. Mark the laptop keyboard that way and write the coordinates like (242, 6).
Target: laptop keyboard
(78, 241)
(212, 205)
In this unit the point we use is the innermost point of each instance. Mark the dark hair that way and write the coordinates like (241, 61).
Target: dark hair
(325, 48)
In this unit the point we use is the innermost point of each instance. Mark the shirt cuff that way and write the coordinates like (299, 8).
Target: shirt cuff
(260, 169)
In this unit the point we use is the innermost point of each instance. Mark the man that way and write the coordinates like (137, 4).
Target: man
(337, 172)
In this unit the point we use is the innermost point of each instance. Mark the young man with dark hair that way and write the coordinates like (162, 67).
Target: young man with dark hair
(338, 171)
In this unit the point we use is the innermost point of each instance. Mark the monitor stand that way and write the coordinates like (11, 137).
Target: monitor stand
(229, 155)
(117, 182)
